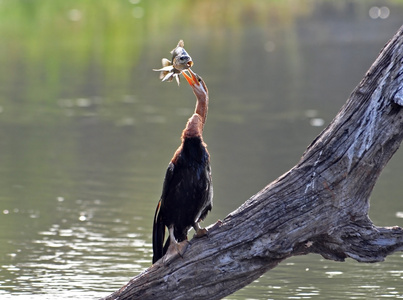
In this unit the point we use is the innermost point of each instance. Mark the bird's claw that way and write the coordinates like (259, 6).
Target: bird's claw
(216, 225)
(174, 251)
(200, 233)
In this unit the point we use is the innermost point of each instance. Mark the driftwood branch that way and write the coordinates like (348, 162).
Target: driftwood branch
(319, 206)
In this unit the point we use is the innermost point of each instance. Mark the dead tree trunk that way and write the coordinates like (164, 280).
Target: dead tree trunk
(319, 206)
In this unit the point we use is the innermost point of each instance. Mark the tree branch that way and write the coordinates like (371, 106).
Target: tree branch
(319, 206)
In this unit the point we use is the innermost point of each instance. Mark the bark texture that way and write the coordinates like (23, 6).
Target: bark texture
(319, 206)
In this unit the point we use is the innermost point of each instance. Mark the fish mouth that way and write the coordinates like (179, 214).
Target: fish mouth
(183, 65)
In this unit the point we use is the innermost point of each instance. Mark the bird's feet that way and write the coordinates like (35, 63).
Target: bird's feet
(174, 251)
(200, 232)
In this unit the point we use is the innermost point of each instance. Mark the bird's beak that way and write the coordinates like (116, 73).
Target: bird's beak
(192, 79)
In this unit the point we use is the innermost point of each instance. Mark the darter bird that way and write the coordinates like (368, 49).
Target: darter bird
(187, 193)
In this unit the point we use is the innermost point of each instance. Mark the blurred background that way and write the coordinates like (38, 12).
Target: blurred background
(87, 130)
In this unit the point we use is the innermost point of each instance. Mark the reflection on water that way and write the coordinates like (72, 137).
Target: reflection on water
(87, 130)
(80, 252)
(327, 280)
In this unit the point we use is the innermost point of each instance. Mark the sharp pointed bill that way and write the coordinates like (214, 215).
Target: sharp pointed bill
(196, 82)
(180, 61)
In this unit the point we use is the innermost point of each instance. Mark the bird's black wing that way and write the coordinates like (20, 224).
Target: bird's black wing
(158, 226)
(209, 203)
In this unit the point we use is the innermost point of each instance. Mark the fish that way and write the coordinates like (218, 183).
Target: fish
(180, 61)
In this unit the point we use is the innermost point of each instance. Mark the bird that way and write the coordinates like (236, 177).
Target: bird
(187, 192)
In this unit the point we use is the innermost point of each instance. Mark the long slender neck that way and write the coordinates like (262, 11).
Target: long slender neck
(195, 124)
(202, 106)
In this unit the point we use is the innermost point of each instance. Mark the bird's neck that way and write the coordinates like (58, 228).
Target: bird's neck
(194, 127)
(195, 124)
(202, 107)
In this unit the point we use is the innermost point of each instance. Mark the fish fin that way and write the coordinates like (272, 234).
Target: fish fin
(163, 74)
(168, 68)
(180, 44)
(166, 62)
(168, 77)
(178, 79)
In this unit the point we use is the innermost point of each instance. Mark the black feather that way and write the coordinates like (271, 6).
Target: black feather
(186, 195)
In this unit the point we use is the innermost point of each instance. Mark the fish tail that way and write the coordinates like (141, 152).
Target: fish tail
(166, 63)
(163, 74)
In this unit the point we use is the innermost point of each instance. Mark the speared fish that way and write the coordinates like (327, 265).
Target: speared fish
(181, 61)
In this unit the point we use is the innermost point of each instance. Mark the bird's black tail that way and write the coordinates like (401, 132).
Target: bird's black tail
(158, 234)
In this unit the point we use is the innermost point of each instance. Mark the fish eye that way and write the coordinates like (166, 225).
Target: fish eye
(184, 57)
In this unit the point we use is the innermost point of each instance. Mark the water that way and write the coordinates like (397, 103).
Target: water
(87, 130)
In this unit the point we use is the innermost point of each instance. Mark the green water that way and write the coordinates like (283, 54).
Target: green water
(87, 131)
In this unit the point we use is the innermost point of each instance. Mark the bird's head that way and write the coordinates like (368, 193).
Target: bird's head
(196, 83)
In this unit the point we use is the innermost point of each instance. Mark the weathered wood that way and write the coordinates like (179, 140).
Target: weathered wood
(319, 206)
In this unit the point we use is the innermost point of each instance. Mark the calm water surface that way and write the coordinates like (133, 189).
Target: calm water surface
(87, 130)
